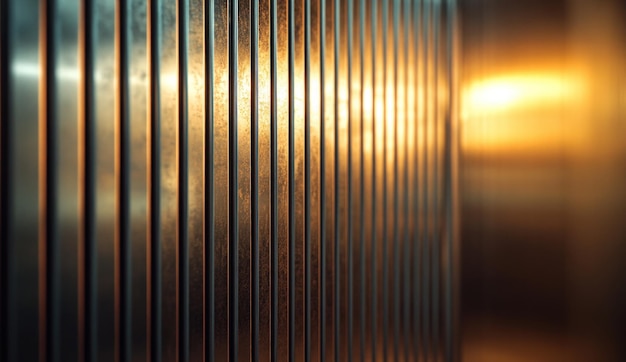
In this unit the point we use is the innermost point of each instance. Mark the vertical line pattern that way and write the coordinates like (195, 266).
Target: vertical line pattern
(5, 186)
(350, 285)
(49, 127)
(362, 286)
(436, 199)
(183, 182)
(396, 186)
(209, 181)
(254, 165)
(123, 156)
(374, 194)
(5, 182)
(291, 181)
(336, 186)
(426, 238)
(416, 188)
(405, 218)
(87, 275)
(233, 167)
(307, 179)
(405, 310)
(155, 180)
(451, 143)
(274, 175)
(384, 201)
(322, 177)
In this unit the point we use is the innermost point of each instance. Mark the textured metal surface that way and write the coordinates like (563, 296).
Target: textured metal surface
(243, 180)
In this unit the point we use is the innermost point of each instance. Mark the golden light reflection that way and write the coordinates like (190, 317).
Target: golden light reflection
(507, 92)
(520, 111)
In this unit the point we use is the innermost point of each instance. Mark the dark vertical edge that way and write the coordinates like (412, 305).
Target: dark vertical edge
(274, 176)
(425, 200)
(209, 181)
(385, 209)
(322, 177)
(89, 146)
(183, 180)
(451, 302)
(291, 182)
(374, 220)
(5, 186)
(307, 179)
(254, 165)
(362, 257)
(337, 236)
(416, 188)
(233, 164)
(350, 281)
(51, 240)
(123, 179)
(396, 186)
(155, 181)
(436, 252)
(406, 318)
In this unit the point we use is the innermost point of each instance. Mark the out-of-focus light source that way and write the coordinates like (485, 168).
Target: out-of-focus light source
(506, 92)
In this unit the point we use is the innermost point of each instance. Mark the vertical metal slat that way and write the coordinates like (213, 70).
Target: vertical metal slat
(374, 194)
(209, 192)
(254, 165)
(233, 181)
(307, 178)
(88, 306)
(337, 235)
(155, 182)
(274, 175)
(322, 200)
(123, 264)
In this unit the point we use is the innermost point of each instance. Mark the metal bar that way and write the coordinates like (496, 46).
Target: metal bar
(233, 182)
(6, 193)
(407, 236)
(209, 181)
(291, 181)
(183, 180)
(385, 265)
(416, 187)
(155, 181)
(349, 179)
(123, 178)
(322, 200)
(436, 178)
(362, 286)
(49, 130)
(337, 236)
(426, 239)
(274, 175)
(254, 165)
(396, 186)
(88, 305)
(6, 188)
(307, 179)
(451, 354)
(374, 195)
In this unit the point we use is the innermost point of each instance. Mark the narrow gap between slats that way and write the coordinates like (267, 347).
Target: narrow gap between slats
(233, 167)
(307, 178)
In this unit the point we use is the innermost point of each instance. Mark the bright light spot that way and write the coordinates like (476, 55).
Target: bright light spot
(515, 91)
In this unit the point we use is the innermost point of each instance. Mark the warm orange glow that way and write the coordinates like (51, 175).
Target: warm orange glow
(520, 111)
(519, 90)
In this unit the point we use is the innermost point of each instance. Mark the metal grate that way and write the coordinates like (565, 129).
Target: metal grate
(188, 180)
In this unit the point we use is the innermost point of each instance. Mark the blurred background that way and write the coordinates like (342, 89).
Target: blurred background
(543, 175)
